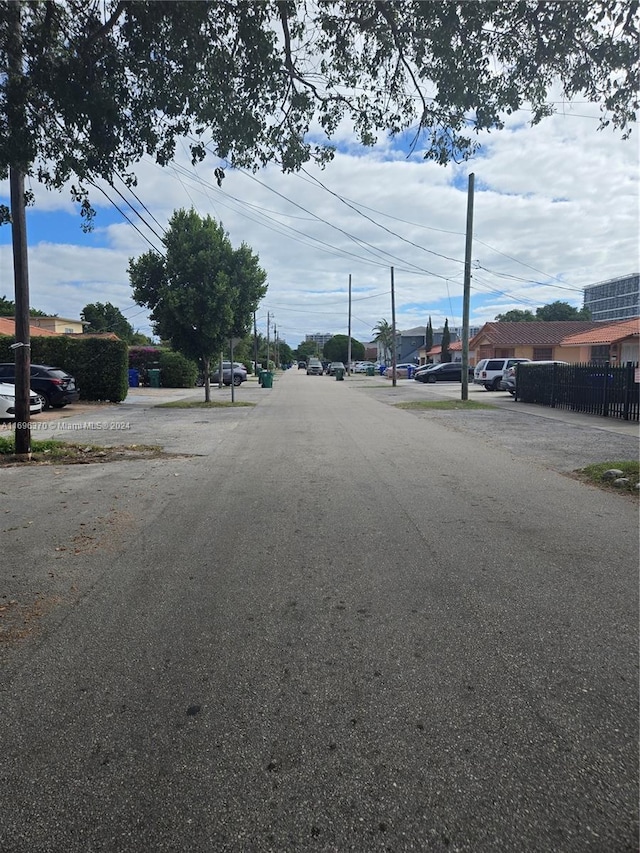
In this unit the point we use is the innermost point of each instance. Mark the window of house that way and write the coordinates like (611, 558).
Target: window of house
(543, 353)
(600, 353)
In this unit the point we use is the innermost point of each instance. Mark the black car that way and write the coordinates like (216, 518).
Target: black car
(445, 372)
(54, 386)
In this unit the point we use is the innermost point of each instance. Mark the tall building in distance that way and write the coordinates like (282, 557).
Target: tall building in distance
(614, 299)
(319, 338)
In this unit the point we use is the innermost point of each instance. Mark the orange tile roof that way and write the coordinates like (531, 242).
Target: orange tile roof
(536, 333)
(606, 333)
(8, 327)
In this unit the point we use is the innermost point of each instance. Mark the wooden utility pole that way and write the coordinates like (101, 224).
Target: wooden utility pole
(467, 291)
(22, 346)
(394, 354)
(349, 333)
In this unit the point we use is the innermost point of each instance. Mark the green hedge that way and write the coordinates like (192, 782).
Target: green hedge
(99, 365)
(176, 371)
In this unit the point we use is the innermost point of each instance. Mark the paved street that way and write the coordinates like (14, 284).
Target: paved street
(326, 624)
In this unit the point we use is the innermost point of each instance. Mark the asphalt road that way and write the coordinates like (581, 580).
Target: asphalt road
(327, 625)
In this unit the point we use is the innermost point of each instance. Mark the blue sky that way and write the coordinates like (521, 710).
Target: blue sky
(556, 208)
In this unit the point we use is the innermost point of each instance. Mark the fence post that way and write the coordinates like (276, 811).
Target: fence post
(605, 390)
(628, 386)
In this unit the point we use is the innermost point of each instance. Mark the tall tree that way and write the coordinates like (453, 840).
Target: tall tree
(202, 291)
(105, 317)
(384, 336)
(428, 336)
(516, 316)
(562, 311)
(445, 354)
(337, 349)
(89, 88)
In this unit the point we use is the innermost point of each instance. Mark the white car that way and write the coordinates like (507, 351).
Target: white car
(8, 402)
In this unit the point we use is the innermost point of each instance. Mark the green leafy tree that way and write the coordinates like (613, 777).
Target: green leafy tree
(201, 291)
(337, 349)
(8, 309)
(562, 311)
(306, 350)
(384, 335)
(516, 316)
(445, 353)
(428, 336)
(105, 317)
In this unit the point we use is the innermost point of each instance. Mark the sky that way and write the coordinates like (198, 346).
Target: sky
(555, 209)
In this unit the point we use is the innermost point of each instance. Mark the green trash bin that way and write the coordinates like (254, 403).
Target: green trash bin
(267, 379)
(154, 378)
(371, 371)
(339, 374)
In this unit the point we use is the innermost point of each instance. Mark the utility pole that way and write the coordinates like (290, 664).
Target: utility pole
(394, 354)
(467, 291)
(349, 333)
(268, 319)
(22, 346)
(255, 342)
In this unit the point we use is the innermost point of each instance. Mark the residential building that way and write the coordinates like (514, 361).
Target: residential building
(615, 343)
(61, 325)
(8, 327)
(538, 340)
(614, 299)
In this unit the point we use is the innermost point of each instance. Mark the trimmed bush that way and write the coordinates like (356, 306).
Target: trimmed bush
(176, 371)
(98, 364)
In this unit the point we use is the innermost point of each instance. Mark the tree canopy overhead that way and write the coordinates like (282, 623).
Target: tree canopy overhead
(96, 85)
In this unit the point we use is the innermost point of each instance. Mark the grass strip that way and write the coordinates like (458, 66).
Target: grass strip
(452, 405)
(594, 474)
(202, 404)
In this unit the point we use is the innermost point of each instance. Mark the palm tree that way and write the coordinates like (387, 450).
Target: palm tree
(384, 336)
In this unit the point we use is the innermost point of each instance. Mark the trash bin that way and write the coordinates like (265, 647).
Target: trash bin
(267, 379)
(261, 374)
(134, 378)
(382, 369)
(154, 378)
(410, 372)
(371, 370)
(339, 374)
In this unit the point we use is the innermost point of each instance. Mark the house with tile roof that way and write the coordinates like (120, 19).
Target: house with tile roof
(541, 340)
(616, 343)
(8, 327)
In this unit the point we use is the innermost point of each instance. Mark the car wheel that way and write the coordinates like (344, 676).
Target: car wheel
(431, 380)
(45, 401)
(487, 387)
(495, 386)
(237, 380)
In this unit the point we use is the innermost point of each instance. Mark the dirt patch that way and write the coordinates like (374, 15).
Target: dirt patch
(85, 455)
(18, 620)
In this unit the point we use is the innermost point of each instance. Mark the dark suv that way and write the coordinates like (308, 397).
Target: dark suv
(54, 386)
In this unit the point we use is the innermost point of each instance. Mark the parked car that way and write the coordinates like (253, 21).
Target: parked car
(362, 366)
(239, 373)
(446, 372)
(8, 402)
(314, 367)
(490, 371)
(55, 387)
(511, 378)
(403, 371)
(302, 365)
(335, 365)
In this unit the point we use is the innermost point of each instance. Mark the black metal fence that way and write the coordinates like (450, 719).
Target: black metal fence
(598, 389)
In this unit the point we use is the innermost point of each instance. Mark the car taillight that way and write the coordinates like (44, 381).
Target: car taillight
(56, 381)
